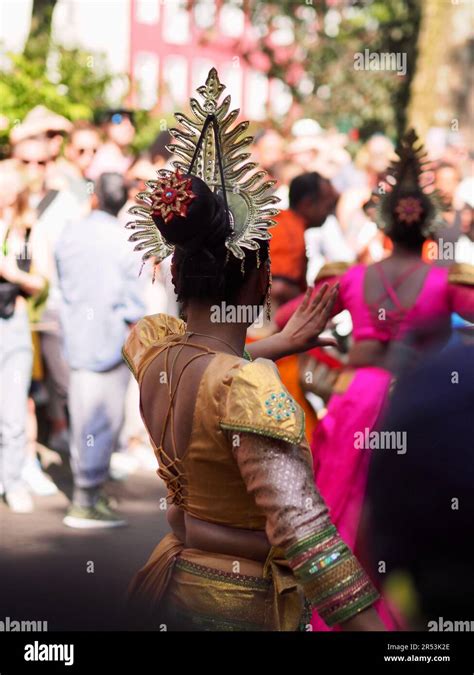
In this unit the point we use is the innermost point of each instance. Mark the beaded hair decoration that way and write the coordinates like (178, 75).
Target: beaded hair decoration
(411, 199)
(210, 147)
(171, 196)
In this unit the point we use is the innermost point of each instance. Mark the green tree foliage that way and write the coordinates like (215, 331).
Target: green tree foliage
(70, 82)
(71, 87)
(320, 69)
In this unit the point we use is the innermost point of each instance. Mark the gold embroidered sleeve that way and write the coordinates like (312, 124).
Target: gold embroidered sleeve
(461, 290)
(279, 476)
(461, 273)
(258, 402)
(147, 334)
(332, 269)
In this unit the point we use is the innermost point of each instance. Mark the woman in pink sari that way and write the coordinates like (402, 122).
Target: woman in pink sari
(390, 301)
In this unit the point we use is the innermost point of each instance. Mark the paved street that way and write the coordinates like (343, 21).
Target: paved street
(44, 565)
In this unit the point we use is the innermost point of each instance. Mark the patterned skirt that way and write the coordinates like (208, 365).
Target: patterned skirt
(187, 589)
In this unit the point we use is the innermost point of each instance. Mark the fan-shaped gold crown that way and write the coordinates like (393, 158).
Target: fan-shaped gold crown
(249, 194)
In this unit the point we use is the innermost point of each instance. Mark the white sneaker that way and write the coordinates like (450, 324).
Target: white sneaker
(38, 482)
(1, 489)
(19, 500)
(122, 464)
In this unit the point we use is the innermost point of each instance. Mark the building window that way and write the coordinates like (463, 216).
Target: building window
(256, 95)
(230, 74)
(175, 75)
(232, 19)
(147, 11)
(175, 23)
(145, 72)
(205, 13)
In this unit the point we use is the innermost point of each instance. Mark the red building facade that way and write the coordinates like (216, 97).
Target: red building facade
(174, 43)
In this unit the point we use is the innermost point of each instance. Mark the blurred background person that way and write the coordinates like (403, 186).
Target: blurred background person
(24, 270)
(305, 235)
(140, 171)
(421, 502)
(465, 243)
(82, 145)
(157, 296)
(44, 124)
(101, 298)
(268, 149)
(306, 144)
(387, 300)
(32, 155)
(373, 160)
(114, 154)
(371, 163)
(311, 200)
(158, 152)
(446, 180)
(465, 190)
(284, 172)
(54, 208)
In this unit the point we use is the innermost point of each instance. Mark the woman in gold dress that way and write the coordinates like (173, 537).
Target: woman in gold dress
(252, 545)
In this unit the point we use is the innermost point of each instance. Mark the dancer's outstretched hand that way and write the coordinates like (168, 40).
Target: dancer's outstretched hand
(310, 319)
(303, 328)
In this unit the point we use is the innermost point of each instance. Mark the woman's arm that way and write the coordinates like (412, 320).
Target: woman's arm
(279, 476)
(30, 283)
(302, 330)
(287, 311)
(33, 282)
(461, 290)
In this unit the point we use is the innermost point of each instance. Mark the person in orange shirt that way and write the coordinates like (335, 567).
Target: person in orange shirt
(312, 198)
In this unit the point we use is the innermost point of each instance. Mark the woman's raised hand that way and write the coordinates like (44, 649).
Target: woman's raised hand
(310, 319)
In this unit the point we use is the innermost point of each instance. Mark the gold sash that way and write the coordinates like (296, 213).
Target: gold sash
(284, 602)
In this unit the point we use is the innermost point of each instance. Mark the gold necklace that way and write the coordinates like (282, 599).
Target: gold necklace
(214, 337)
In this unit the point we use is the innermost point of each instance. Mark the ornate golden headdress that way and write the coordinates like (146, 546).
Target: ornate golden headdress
(211, 150)
(411, 199)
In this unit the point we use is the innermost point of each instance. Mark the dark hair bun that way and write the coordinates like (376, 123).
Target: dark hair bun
(411, 234)
(201, 266)
(204, 226)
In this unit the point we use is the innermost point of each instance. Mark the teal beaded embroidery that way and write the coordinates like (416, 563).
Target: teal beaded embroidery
(318, 565)
(280, 406)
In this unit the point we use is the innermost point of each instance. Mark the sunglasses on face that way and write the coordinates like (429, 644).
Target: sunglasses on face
(83, 151)
(118, 118)
(52, 134)
(36, 162)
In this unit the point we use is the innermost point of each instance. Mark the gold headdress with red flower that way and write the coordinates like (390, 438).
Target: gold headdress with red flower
(171, 196)
(410, 199)
(211, 148)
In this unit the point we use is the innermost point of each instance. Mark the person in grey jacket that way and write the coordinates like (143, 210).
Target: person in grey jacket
(101, 299)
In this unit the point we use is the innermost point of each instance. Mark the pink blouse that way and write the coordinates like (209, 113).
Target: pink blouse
(435, 303)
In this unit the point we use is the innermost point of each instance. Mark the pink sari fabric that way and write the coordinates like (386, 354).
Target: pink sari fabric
(340, 468)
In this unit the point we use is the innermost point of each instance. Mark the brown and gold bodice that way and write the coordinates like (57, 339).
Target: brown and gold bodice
(247, 465)
(233, 395)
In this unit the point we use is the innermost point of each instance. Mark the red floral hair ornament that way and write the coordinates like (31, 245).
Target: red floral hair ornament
(409, 210)
(209, 146)
(171, 195)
